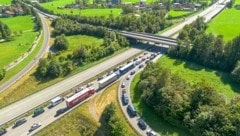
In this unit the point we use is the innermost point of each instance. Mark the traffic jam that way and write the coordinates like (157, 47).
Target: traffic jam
(80, 93)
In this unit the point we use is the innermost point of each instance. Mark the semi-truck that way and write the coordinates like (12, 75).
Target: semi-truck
(80, 96)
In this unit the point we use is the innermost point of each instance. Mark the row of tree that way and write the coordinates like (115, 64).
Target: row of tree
(198, 108)
(205, 49)
(113, 125)
(150, 22)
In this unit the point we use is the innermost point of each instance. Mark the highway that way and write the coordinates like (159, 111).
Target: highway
(28, 103)
(34, 62)
(32, 101)
(208, 13)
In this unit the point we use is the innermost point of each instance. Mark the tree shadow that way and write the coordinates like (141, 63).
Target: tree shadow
(226, 79)
(193, 66)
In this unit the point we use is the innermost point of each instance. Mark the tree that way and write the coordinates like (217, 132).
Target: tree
(54, 69)
(61, 43)
(2, 73)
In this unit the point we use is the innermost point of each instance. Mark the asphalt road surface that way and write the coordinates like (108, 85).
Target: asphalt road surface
(34, 62)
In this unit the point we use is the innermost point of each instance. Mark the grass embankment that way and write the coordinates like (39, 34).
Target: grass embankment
(192, 73)
(3, 2)
(226, 24)
(84, 120)
(54, 6)
(29, 84)
(150, 117)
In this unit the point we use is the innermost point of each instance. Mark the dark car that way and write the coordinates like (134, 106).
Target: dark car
(142, 124)
(19, 122)
(125, 99)
(100, 78)
(132, 72)
(38, 111)
(60, 111)
(2, 131)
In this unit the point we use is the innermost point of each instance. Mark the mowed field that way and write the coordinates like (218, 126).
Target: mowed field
(194, 73)
(12, 50)
(174, 13)
(84, 120)
(226, 24)
(53, 6)
(2, 2)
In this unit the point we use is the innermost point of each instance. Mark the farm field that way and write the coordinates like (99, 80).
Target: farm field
(30, 84)
(154, 121)
(174, 13)
(2, 2)
(226, 24)
(87, 116)
(21, 43)
(84, 12)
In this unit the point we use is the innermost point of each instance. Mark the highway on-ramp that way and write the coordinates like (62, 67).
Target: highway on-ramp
(34, 62)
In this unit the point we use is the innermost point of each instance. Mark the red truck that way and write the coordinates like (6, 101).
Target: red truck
(80, 96)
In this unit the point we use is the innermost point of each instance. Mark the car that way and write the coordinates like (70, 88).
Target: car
(3, 131)
(131, 111)
(19, 122)
(140, 66)
(35, 126)
(123, 85)
(60, 111)
(133, 72)
(38, 111)
(128, 77)
(89, 84)
(151, 133)
(79, 89)
(125, 99)
(109, 73)
(142, 124)
(100, 78)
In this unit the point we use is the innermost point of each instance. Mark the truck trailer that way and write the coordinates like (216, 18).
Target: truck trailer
(80, 96)
(107, 80)
(126, 68)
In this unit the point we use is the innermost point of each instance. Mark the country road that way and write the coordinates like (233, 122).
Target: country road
(34, 62)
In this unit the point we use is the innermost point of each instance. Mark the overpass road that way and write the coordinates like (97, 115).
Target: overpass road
(34, 62)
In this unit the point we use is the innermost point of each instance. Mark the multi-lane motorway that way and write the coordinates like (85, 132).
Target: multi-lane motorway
(20, 107)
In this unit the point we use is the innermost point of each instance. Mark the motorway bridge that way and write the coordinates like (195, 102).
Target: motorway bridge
(156, 39)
